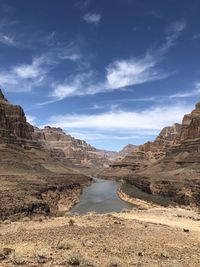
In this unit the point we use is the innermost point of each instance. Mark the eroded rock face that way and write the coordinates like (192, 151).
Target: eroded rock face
(14, 128)
(189, 138)
(31, 181)
(127, 150)
(177, 175)
(133, 161)
(69, 149)
(163, 141)
(133, 158)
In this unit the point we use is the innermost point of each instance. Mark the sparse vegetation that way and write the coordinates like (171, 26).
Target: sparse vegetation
(65, 245)
(74, 260)
(71, 222)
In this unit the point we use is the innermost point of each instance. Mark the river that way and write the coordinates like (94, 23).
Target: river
(100, 197)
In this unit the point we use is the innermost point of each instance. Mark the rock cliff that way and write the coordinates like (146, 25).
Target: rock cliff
(70, 150)
(133, 158)
(31, 181)
(14, 128)
(177, 175)
(157, 148)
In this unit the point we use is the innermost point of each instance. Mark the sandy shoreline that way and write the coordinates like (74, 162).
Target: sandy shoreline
(142, 204)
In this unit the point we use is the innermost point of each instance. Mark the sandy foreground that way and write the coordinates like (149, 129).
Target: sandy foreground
(155, 237)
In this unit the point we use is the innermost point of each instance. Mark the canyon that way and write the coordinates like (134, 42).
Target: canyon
(177, 174)
(44, 171)
(31, 181)
(71, 151)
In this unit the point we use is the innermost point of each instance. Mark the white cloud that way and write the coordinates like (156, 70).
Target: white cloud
(192, 93)
(30, 71)
(73, 86)
(8, 40)
(92, 18)
(118, 120)
(173, 32)
(123, 72)
(31, 119)
(24, 77)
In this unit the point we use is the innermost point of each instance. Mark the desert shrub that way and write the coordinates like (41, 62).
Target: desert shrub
(64, 245)
(79, 260)
(71, 222)
(74, 260)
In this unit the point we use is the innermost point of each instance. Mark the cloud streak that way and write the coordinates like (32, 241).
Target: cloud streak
(150, 119)
(26, 77)
(94, 18)
(122, 73)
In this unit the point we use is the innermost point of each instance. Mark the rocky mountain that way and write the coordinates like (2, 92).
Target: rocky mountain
(14, 128)
(157, 148)
(127, 150)
(133, 158)
(70, 150)
(31, 181)
(177, 175)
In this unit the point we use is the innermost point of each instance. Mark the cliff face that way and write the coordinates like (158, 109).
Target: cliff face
(133, 158)
(188, 140)
(163, 141)
(127, 150)
(177, 175)
(31, 181)
(14, 128)
(69, 149)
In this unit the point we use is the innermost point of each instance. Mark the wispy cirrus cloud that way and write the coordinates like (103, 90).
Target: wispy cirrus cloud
(8, 40)
(25, 77)
(193, 93)
(123, 73)
(94, 18)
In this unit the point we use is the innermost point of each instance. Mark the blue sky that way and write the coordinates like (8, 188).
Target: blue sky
(110, 72)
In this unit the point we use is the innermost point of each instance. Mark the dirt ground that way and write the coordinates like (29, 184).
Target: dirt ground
(155, 237)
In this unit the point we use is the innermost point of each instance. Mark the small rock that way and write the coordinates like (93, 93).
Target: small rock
(140, 254)
(186, 230)
(117, 222)
(2, 256)
(73, 261)
(8, 251)
(41, 259)
(88, 243)
(7, 222)
(164, 255)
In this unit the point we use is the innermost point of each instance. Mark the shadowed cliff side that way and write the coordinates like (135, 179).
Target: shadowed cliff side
(31, 181)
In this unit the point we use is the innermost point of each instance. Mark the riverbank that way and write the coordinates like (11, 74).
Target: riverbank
(139, 203)
(154, 238)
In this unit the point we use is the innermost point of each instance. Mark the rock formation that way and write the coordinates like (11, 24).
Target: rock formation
(70, 150)
(31, 181)
(127, 150)
(14, 128)
(177, 175)
(157, 148)
(133, 158)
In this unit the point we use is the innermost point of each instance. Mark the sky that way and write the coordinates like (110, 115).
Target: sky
(111, 72)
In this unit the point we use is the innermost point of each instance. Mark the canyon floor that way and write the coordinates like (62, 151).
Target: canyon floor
(154, 237)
